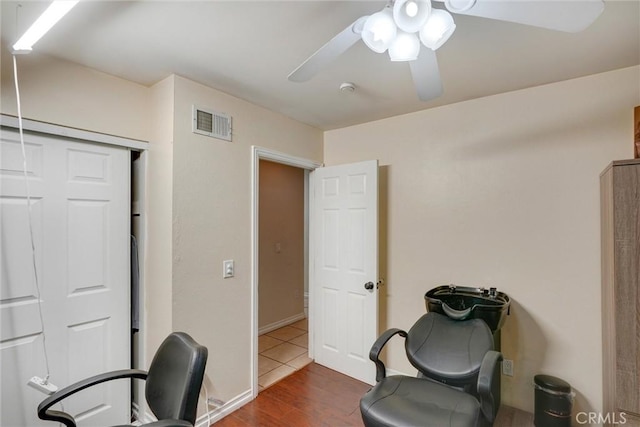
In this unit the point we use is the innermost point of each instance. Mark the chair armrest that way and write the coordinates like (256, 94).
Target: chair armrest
(62, 417)
(488, 379)
(376, 348)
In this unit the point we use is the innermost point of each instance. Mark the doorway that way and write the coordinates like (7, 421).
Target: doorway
(279, 266)
(282, 324)
(343, 298)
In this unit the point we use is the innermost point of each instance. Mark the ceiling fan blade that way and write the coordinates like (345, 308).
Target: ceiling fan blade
(570, 16)
(426, 75)
(329, 52)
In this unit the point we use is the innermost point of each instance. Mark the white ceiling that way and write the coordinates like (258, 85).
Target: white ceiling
(247, 49)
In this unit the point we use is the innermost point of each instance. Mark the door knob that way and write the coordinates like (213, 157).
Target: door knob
(369, 286)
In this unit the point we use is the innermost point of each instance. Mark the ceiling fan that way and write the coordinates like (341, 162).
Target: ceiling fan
(412, 31)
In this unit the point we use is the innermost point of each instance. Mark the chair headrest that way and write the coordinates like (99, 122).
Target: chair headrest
(175, 377)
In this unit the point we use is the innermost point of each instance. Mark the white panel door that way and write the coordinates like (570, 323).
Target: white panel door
(345, 244)
(80, 205)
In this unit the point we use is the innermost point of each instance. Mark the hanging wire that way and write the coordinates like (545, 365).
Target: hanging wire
(30, 220)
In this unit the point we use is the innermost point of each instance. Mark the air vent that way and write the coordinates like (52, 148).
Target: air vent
(210, 123)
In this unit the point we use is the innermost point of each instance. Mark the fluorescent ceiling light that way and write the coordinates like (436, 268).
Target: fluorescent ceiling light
(48, 19)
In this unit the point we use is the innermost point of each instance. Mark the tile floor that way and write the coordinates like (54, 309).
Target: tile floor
(282, 352)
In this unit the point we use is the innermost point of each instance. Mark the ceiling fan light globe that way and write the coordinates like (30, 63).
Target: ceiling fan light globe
(437, 30)
(405, 47)
(411, 15)
(411, 8)
(459, 6)
(379, 31)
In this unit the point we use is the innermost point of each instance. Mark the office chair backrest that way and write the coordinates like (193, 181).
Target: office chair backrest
(447, 350)
(175, 377)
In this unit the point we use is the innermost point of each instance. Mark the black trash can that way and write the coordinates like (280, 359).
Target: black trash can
(553, 402)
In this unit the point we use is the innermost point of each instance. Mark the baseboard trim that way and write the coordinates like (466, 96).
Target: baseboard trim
(144, 418)
(213, 415)
(281, 323)
(217, 414)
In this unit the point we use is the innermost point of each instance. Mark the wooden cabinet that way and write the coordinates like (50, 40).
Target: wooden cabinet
(620, 237)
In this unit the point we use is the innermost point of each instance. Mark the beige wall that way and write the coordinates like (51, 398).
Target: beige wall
(281, 243)
(66, 94)
(504, 191)
(158, 250)
(212, 223)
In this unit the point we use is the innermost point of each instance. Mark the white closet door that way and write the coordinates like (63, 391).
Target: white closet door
(80, 208)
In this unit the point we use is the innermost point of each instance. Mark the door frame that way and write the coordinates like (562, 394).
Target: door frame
(257, 154)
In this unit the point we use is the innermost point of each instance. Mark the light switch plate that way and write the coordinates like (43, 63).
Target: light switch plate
(227, 269)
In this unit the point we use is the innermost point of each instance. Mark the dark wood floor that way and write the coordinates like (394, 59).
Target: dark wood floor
(318, 396)
(312, 396)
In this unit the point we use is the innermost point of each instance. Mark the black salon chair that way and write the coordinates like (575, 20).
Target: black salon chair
(172, 384)
(458, 377)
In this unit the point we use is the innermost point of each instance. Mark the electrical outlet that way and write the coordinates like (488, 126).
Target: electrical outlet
(507, 367)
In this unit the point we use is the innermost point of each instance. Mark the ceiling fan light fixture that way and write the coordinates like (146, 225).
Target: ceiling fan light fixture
(405, 47)
(437, 30)
(379, 30)
(411, 15)
(459, 6)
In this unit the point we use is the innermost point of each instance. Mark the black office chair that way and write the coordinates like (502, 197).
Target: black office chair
(172, 384)
(458, 376)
